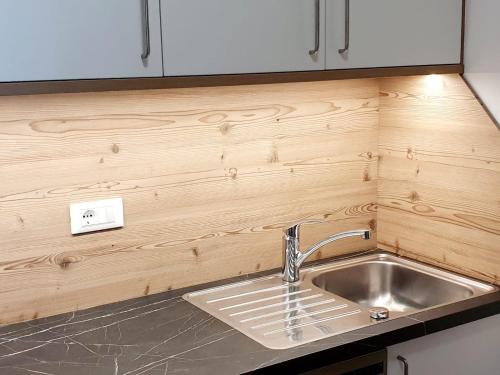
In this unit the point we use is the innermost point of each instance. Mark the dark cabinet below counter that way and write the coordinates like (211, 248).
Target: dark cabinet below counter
(369, 364)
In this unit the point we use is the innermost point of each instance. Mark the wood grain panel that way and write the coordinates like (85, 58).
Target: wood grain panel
(209, 178)
(439, 175)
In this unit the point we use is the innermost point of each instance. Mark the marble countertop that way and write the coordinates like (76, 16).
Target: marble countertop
(163, 334)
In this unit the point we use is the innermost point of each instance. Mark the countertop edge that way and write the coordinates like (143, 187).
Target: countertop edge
(163, 331)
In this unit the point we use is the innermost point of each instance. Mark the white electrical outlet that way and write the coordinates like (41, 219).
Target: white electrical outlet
(98, 215)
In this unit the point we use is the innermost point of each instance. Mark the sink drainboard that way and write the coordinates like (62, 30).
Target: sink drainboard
(282, 315)
(277, 314)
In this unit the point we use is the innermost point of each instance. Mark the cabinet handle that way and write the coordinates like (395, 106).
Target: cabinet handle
(347, 27)
(405, 364)
(315, 51)
(146, 47)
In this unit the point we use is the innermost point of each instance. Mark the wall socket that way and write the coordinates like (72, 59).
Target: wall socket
(97, 215)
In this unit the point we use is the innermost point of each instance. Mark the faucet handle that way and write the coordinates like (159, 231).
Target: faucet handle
(294, 230)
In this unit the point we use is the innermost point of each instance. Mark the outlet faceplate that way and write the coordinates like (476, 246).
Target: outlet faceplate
(97, 215)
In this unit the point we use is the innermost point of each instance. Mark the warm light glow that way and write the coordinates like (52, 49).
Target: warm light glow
(434, 82)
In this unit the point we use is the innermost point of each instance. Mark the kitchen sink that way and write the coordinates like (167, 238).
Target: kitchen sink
(395, 286)
(333, 298)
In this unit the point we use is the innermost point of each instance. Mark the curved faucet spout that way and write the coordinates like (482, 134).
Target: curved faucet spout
(363, 233)
(293, 258)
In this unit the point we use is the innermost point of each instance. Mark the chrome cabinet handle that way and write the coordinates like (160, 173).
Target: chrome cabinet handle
(146, 47)
(347, 27)
(314, 52)
(405, 364)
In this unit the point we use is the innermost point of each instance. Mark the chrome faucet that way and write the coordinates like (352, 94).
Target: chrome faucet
(293, 257)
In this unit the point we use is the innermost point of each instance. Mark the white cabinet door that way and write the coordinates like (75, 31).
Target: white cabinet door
(393, 33)
(470, 349)
(76, 39)
(241, 36)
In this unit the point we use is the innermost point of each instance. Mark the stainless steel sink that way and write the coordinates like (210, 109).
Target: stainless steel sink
(396, 286)
(333, 298)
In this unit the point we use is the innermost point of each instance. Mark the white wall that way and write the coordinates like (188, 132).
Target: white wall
(482, 51)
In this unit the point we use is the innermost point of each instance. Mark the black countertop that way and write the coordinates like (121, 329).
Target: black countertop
(163, 334)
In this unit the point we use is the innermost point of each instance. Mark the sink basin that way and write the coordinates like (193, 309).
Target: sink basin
(395, 286)
(332, 298)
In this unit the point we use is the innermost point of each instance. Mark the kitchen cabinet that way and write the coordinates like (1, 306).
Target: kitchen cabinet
(242, 36)
(98, 39)
(472, 348)
(368, 364)
(387, 33)
(75, 39)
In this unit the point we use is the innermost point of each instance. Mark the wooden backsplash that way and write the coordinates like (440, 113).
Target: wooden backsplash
(439, 175)
(209, 178)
